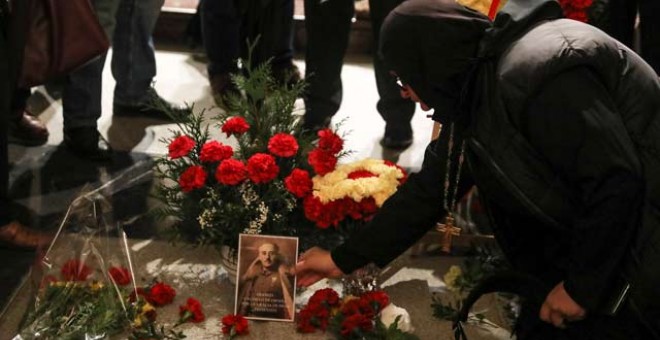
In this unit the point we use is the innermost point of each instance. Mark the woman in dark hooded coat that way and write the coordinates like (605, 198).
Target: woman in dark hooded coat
(559, 127)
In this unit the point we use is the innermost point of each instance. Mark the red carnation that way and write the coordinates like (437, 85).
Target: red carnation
(161, 294)
(576, 9)
(355, 322)
(327, 295)
(235, 126)
(120, 275)
(231, 172)
(193, 178)
(368, 207)
(307, 321)
(234, 324)
(330, 141)
(75, 270)
(377, 299)
(316, 212)
(191, 311)
(283, 145)
(322, 161)
(298, 183)
(262, 168)
(361, 174)
(181, 146)
(215, 151)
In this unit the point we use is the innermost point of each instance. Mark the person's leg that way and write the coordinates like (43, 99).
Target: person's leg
(133, 57)
(5, 99)
(281, 29)
(622, 20)
(220, 31)
(81, 97)
(649, 12)
(395, 110)
(12, 233)
(328, 25)
(134, 62)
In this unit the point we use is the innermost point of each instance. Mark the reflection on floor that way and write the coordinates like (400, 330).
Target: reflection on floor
(44, 180)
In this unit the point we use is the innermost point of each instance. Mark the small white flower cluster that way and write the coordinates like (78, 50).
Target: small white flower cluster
(255, 225)
(248, 195)
(205, 219)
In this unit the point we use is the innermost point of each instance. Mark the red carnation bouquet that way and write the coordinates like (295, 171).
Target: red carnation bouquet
(268, 176)
(248, 172)
(84, 284)
(350, 317)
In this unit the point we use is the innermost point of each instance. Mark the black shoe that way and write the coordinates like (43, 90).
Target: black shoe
(87, 143)
(397, 136)
(151, 106)
(396, 144)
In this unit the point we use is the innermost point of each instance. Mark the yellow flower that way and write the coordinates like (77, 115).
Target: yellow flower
(146, 308)
(450, 277)
(137, 322)
(96, 286)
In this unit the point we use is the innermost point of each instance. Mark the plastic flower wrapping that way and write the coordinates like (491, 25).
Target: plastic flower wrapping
(269, 176)
(84, 285)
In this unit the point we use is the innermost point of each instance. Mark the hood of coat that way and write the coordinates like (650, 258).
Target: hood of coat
(432, 45)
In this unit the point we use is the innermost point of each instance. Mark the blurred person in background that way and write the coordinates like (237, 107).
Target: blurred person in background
(328, 25)
(228, 25)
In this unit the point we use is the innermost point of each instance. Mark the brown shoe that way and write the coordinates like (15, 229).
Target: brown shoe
(17, 235)
(27, 130)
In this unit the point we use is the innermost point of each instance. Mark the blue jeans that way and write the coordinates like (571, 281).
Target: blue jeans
(133, 59)
(81, 96)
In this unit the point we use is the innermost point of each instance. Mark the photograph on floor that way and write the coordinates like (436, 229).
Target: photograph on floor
(266, 285)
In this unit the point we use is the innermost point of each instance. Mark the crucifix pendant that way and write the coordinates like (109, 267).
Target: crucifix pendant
(448, 230)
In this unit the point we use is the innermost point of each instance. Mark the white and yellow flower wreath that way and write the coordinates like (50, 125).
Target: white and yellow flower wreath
(336, 184)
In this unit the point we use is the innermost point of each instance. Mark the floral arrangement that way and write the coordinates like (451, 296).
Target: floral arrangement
(354, 190)
(82, 301)
(277, 179)
(354, 317)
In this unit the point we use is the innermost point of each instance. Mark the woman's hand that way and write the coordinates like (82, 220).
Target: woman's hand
(559, 307)
(314, 265)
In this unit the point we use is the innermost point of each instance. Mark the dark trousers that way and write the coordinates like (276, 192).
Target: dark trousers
(622, 26)
(227, 25)
(328, 26)
(6, 85)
